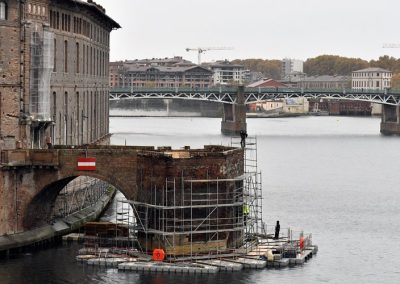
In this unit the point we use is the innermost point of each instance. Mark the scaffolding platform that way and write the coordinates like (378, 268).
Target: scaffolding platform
(202, 224)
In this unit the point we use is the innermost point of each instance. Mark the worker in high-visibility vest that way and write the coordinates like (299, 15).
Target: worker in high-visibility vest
(246, 212)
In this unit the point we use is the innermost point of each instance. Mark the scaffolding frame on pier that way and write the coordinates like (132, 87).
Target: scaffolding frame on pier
(188, 220)
(252, 191)
(199, 218)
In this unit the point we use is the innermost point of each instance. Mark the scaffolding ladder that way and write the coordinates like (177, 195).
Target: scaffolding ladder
(252, 190)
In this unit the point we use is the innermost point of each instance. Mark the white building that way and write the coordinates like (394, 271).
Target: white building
(291, 66)
(225, 73)
(372, 79)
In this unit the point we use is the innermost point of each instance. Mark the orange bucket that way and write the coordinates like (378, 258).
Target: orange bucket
(158, 255)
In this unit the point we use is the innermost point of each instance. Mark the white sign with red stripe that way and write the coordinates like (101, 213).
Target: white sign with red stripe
(87, 164)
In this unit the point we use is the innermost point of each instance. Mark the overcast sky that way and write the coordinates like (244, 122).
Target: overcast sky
(268, 29)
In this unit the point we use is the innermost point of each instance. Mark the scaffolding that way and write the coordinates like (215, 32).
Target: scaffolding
(194, 217)
(198, 218)
(42, 53)
(81, 193)
(252, 191)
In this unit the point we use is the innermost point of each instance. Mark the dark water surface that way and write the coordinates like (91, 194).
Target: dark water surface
(336, 177)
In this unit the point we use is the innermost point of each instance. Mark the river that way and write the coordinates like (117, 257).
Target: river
(335, 177)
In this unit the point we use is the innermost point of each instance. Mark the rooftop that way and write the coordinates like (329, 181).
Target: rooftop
(325, 78)
(372, 69)
(266, 82)
(140, 68)
(223, 64)
(96, 8)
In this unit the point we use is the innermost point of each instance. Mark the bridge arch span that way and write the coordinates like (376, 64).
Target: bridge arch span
(40, 207)
(55, 168)
(40, 175)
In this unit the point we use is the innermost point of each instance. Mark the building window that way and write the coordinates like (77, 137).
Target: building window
(58, 20)
(55, 56)
(66, 56)
(3, 10)
(83, 59)
(77, 57)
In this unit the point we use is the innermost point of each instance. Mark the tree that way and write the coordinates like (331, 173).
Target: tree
(396, 81)
(269, 68)
(333, 65)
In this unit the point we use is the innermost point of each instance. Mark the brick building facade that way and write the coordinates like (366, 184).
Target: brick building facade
(53, 72)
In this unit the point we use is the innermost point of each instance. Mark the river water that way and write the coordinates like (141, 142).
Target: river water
(335, 177)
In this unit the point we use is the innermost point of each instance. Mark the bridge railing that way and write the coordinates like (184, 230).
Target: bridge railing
(174, 90)
(233, 89)
(316, 90)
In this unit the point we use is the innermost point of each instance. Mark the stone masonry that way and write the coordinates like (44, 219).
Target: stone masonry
(34, 178)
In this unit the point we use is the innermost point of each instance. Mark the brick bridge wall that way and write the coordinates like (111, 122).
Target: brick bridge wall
(30, 180)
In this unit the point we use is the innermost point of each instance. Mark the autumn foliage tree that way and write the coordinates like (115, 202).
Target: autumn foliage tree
(333, 65)
(325, 65)
(269, 68)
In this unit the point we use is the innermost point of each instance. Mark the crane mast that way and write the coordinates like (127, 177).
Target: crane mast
(201, 50)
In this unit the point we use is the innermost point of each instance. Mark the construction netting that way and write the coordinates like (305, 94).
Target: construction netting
(42, 52)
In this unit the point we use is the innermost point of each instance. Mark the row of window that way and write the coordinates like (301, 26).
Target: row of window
(80, 26)
(370, 74)
(91, 113)
(160, 85)
(369, 84)
(32, 9)
(3, 10)
(161, 75)
(36, 10)
(164, 78)
(323, 85)
(88, 60)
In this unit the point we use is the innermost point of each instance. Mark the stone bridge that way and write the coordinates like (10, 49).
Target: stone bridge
(31, 179)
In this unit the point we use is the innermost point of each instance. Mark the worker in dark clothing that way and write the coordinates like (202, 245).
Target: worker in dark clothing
(277, 229)
(243, 136)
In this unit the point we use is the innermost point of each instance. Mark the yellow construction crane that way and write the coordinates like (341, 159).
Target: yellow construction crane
(200, 50)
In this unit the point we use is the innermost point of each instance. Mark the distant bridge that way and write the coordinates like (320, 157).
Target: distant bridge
(257, 95)
(235, 100)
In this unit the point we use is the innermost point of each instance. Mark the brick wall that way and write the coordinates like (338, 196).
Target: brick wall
(78, 99)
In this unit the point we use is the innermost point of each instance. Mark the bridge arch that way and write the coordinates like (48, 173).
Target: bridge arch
(144, 175)
(40, 208)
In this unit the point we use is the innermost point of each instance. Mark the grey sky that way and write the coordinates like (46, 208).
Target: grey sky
(269, 29)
